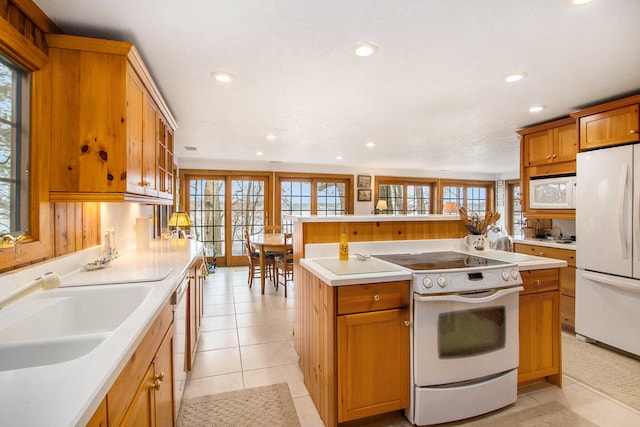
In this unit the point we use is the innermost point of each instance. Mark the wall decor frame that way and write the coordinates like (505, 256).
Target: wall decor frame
(364, 181)
(364, 195)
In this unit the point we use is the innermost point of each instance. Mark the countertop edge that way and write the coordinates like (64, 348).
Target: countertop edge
(372, 218)
(547, 244)
(524, 262)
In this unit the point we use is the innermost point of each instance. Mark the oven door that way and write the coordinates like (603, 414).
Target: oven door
(463, 337)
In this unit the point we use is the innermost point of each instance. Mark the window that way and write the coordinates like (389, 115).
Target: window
(476, 196)
(411, 196)
(222, 205)
(515, 220)
(14, 150)
(323, 195)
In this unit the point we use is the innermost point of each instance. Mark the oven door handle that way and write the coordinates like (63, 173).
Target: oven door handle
(477, 298)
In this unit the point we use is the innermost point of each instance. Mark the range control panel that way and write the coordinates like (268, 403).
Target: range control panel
(467, 280)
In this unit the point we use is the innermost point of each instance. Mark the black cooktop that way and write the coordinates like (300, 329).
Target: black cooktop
(439, 260)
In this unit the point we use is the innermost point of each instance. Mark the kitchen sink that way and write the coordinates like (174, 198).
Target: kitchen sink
(28, 354)
(71, 311)
(65, 323)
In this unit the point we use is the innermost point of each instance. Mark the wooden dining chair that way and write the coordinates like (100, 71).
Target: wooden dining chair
(253, 257)
(268, 229)
(284, 264)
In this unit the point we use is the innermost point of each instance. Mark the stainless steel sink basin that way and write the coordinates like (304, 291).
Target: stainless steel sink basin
(65, 323)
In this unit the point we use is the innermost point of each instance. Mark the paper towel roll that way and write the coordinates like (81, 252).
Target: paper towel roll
(143, 234)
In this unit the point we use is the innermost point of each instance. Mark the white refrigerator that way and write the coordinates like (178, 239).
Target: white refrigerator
(608, 246)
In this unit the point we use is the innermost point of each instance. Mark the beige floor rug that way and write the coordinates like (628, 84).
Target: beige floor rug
(607, 371)
(270, 405)
(551, 414)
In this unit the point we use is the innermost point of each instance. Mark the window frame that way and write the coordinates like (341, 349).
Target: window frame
(510, 205)
(313, 179)
(20, 212)
(490, 187)
(405, 182)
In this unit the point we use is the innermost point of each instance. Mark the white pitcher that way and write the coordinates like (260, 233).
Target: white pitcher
(476, 242)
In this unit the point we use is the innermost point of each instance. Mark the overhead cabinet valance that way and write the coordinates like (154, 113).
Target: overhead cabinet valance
(111, 131)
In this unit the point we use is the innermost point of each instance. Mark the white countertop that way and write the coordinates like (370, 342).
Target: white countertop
(387, 272)
(372, 218)
(546, 243)
(67, 394)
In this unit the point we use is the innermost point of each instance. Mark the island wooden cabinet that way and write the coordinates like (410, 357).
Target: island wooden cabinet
(567, 278)
(353, 344)
(373, 349)
(540, 352)
(112, 131)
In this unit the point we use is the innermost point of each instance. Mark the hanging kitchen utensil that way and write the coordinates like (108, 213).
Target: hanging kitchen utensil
(472, 229)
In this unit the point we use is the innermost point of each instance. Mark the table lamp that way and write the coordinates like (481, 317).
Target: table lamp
(180, 219)
(381, 206)
(450, 208)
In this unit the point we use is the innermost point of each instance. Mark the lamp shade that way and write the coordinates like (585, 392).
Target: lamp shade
(450, 208)
(382, 205)
(179, 219)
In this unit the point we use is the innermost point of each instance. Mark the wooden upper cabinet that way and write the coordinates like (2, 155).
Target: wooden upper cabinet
(555, 145)
(612, 123)
(106, 113)
(611, 127)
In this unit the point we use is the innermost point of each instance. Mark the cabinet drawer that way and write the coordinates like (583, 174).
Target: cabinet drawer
(544, 251)
(372, 297)
(539, 280)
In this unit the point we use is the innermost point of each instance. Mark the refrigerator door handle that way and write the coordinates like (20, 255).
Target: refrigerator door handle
(621, 225)
(612, 281)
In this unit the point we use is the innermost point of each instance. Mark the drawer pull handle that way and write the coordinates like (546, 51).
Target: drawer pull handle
(376, 297)
(541, 254)
(156, 384)
(160, 377)
(406, 323)
(537, 282)
(632, 131)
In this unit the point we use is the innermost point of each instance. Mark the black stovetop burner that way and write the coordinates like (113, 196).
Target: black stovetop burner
(439, 260)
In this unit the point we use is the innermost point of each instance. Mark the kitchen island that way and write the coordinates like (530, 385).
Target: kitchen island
(70, 392)
(357, 319)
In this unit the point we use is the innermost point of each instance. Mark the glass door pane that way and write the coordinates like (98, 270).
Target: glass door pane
(206, 208)
(330, 198)
(295, 200)
(247, 211)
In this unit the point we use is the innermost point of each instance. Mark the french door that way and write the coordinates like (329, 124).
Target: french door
(222, 207)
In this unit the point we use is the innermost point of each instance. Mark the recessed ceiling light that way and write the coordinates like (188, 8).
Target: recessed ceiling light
(364, 49)
(222, 76)
(271, 137)
(578, 2)
(536, 108)
(339, 158)
(259, 153)
(371, 144)
(515, 77)
(190, 148)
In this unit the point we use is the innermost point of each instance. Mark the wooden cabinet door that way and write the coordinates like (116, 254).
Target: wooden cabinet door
(141, 412)
(192, 338)
(150, 147)
(135, 132)
(565, 145)
(163, 382)
(539, 336)
(609, 128)
(373, 363)
(99, 418)
(538, 148)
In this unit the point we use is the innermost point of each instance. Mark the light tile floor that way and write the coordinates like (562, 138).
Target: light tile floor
(246, 341)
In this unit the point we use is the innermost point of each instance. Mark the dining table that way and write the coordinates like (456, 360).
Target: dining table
(266, 242)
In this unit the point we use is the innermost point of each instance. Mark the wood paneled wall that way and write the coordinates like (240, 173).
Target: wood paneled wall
(60, 228)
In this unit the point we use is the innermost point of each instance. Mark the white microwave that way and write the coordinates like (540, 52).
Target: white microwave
(553, 193)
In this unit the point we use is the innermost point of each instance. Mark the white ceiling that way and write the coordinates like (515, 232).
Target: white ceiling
(432, 98)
